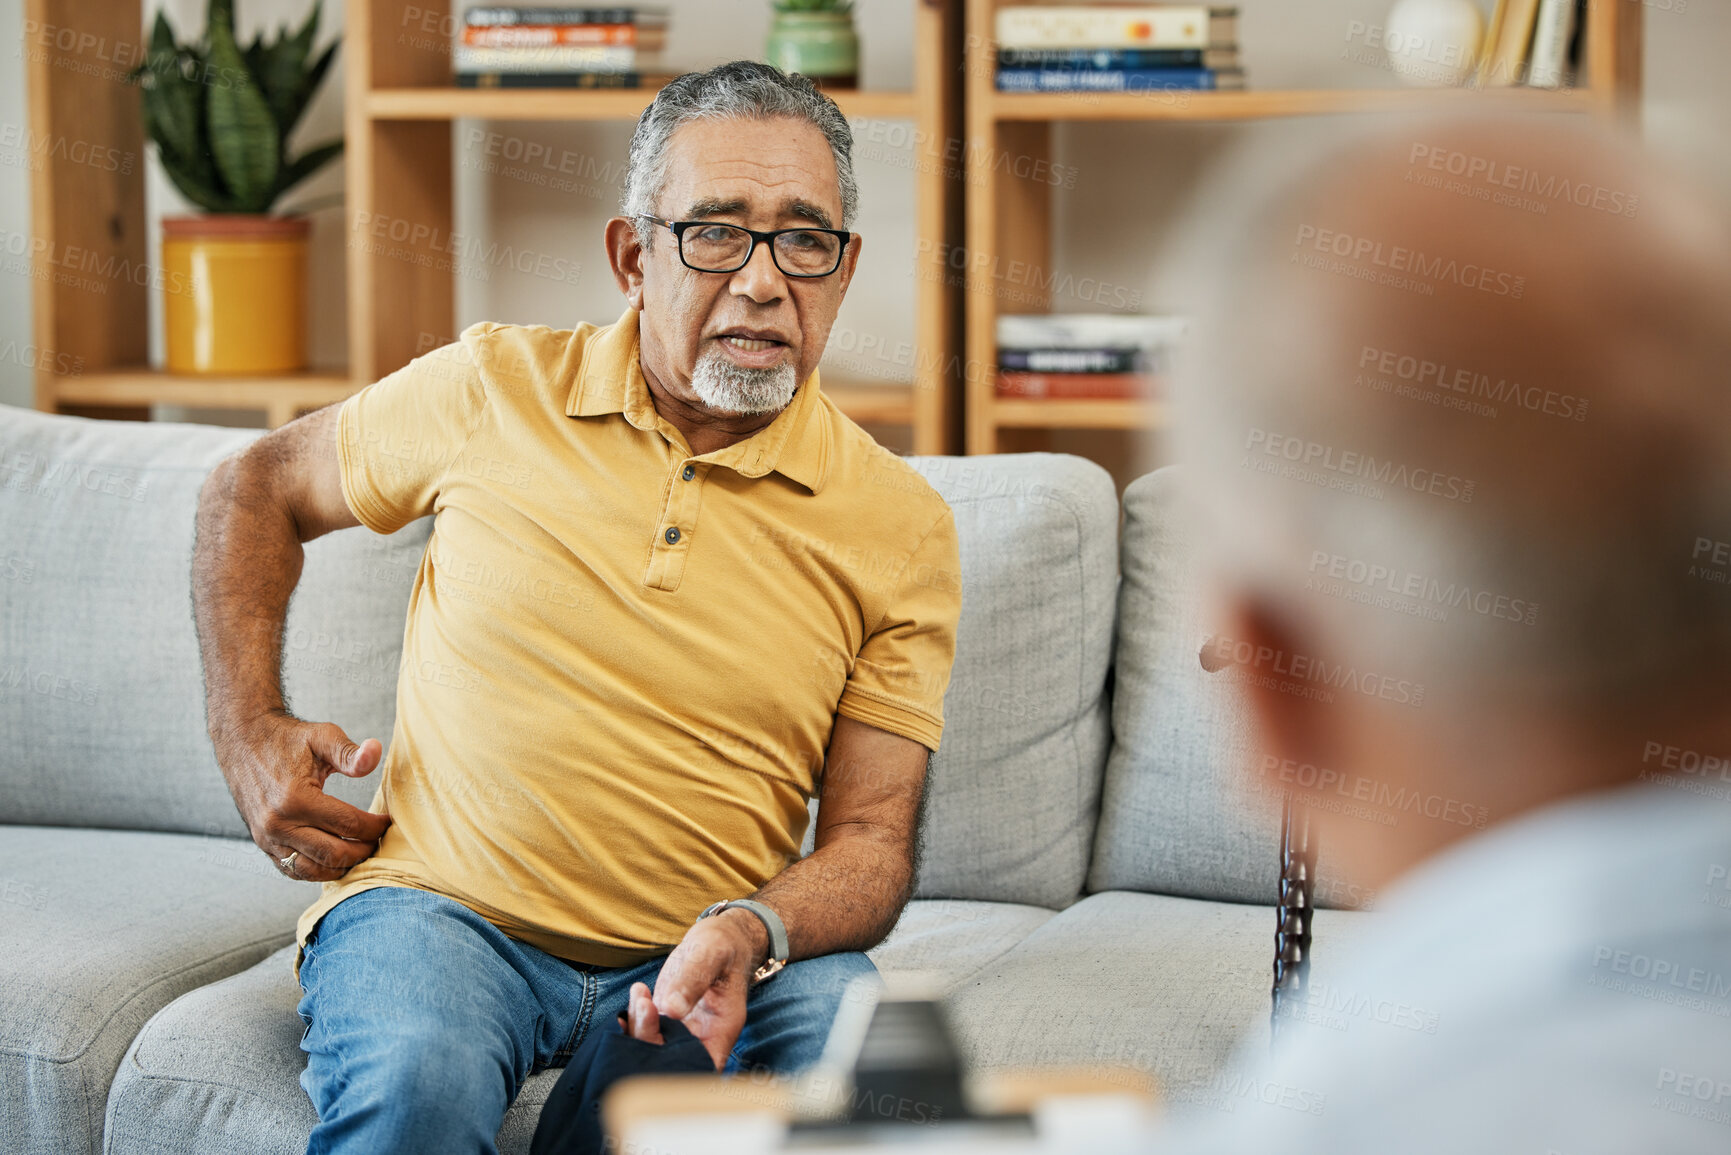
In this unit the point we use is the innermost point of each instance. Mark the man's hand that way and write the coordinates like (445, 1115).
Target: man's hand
(704, 981)
(276, 769)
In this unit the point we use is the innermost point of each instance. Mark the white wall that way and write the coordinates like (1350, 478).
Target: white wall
(1130, 180)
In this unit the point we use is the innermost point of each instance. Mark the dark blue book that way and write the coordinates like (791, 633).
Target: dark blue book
(1107, 58)
(1115, 79)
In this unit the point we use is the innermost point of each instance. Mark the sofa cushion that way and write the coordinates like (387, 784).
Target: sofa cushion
(1167, 986)
(948, 939)
(1184, 809)
(99, 929)
(219, 1070)
(1016, 779)
(101, 691)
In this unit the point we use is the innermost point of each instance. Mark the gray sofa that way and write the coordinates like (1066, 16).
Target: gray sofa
(1093, 889)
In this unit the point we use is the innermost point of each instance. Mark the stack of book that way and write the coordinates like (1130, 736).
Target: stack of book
(1117, 48)
(511, 47)
(1085, 354)
(1533, 42)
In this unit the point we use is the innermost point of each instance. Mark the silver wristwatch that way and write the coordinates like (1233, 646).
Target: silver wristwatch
(771, 922)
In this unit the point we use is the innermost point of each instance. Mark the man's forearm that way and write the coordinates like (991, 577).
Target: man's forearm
(843, 896)
(246, 562)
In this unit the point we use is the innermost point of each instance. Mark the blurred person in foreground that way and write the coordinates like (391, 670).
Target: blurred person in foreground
(1488, 358)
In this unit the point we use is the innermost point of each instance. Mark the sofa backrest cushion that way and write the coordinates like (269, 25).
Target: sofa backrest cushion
(101, 689)
(1014, 786)
(1172, 818)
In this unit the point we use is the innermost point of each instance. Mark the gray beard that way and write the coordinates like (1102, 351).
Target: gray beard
(722, 385)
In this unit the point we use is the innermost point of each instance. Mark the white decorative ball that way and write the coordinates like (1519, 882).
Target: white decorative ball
(1434, 42)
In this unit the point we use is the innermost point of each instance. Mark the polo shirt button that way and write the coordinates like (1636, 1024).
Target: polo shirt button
(672, 535)
(690, 472)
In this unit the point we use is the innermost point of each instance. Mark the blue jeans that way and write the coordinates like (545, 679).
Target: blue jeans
(423, 1019)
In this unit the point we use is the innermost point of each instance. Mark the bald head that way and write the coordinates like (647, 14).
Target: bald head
(1463, 391)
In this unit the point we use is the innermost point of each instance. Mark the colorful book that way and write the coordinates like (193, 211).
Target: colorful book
(547, 35)
(505, 14)
(550, 58)
(1116, 26)
(1072, 360)
(1118, 58)
(1098, 385)
(1116, 79)
(549, 80)
(1551, 37)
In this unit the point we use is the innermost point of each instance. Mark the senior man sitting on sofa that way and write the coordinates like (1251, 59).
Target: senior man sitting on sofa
(736, 600)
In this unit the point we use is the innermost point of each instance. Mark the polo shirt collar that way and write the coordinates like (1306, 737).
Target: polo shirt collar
(795, 444)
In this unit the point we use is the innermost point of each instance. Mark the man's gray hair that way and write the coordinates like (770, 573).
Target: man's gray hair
(740, 89)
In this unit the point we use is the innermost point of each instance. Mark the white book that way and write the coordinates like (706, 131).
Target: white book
(1556, 25)
(1149, 26)
(546, 58)
(1087, 331)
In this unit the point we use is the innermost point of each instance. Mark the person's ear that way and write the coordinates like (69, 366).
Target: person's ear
(1263, 645)
(625, 254)
(849, 261)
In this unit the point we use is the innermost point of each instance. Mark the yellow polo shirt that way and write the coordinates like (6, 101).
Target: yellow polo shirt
(622, 661)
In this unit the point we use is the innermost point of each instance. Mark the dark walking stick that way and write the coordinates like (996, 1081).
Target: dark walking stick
(1297, 891)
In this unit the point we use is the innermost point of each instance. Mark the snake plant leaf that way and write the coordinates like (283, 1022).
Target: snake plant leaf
(281, 71)
(315, 76)
(308, 163)
(206, 195)
(243, 135)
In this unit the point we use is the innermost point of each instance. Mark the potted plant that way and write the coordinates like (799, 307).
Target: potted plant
(221, 117)
(815, 38)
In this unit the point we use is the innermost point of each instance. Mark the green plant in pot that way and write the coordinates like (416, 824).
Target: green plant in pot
(221, 116)
(816, 38)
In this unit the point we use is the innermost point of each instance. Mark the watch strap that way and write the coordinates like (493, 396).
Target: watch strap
(771, 922)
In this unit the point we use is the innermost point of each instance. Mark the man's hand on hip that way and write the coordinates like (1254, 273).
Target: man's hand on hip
(276, 769)
(704, 981)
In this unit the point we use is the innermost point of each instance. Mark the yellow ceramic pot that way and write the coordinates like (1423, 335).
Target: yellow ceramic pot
(234, 293)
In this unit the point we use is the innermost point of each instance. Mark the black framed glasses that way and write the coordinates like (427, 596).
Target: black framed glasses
(714, 247)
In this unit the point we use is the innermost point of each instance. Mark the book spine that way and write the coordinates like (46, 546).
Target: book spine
(547, 35)
(1096, 385)
(1080, 27)
(497, 15)
(554, 58)
(1100, 58)
(549, 80)
(1070, 360)
(1106, 80)
(1551, 36)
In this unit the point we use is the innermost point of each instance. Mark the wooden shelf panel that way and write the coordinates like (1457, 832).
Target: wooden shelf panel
(449, 103)
(1187, 105)
(1075, 413)
(279, 396)
(882, 403)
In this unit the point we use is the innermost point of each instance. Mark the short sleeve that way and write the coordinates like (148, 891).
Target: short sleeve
(397, 437)
(902, 670)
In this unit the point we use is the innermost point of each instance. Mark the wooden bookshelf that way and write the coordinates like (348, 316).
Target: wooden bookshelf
(1009, 220)
(399, 109)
